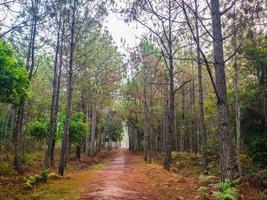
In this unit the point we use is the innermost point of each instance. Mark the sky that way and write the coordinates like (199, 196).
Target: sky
(122, 31)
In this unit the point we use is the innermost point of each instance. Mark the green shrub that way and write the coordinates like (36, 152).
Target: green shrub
(38, 130)
(5, 168)
(78, 129)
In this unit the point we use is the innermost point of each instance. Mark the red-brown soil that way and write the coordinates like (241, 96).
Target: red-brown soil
(119, 180)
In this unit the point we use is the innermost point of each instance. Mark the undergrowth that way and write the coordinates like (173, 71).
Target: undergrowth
(42, 176)
(6, 168)
(225, 190)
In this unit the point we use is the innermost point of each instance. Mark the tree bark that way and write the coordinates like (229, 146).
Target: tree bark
(193, 107)
(146, 110)
(182, 128)
(78, 152)
(65, 140)
(170, 114)
(202, 131)
(222, 104)
(30, 58)
(93, 129)
(53, 123)
(237, 99)
(18, 131)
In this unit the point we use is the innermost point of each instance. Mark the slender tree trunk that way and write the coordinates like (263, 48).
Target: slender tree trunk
(99, 141)
(65, 140)
(176, 133)
(130, 137)
(237, 99)
(202, 131)
(18, 131)
(170, 131)
(78, 152)
(87, 140)
(182, 128)
(146, 110)
(222, 104)
(19, 122)
(53, 123)
(93, 129)
(193, 121)
(58, 91)
(165, 119)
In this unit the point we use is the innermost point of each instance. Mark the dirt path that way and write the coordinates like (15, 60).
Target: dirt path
(119, 180)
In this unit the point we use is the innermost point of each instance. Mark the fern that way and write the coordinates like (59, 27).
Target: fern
(218, 195)
(224, 185)
(227, 191)
(42, 176)
(30, 181)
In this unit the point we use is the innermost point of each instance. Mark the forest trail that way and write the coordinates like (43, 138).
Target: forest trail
(119, 180)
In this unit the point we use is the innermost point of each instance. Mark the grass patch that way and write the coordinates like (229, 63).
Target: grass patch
(100, 165)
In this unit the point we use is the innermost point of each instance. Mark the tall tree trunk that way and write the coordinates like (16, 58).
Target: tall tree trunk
(182, 128)
(170, 113)
(237, 99)
(222, 104)
(176, 133)
(65, 140)
(53, 123)
(146, 110)
(78, 152)
(30, 58)
(18, 132)
(58, 90)
(87, 140)
(130, 135)
(193, 107)
(93, 129)
(165, 118)
(202, 131)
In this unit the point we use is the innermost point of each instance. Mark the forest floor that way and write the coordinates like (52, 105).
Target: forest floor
(118, 174)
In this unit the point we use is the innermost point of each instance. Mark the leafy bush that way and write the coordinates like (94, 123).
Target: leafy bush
(42, 176)
(226, 190)
(5, 168)
(78, 129)
(38, 130)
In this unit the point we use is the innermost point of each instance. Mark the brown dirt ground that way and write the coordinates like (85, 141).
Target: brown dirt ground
(119, 180)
